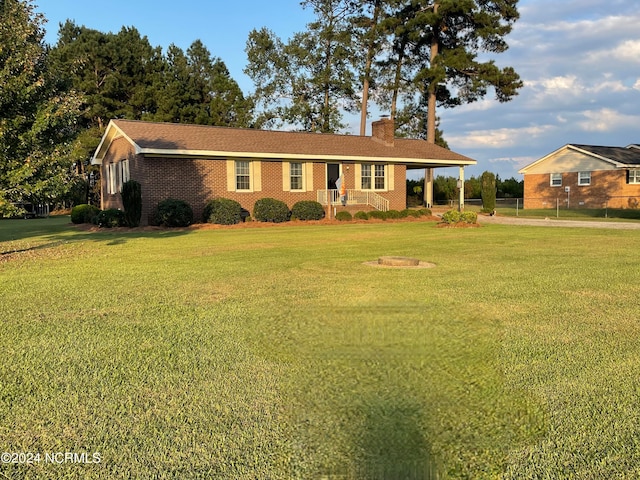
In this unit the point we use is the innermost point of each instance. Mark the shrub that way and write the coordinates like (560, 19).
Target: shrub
(132, 203)
(393, 214)
(469, 217)
(222, 211)
(452, 216)
(110, 218)
(271, 210)
(307, 210)
(411, 213)
(425, 212)
(361, 215)
(488, 185)
(378, 214)
(344, 216)
(173, 213)
(84, 213)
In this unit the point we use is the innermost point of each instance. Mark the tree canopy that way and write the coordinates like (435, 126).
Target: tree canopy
(38, 118)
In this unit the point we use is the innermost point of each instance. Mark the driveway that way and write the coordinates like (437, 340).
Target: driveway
(555, 222)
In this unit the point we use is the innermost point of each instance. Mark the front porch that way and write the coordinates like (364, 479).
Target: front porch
(354, 197)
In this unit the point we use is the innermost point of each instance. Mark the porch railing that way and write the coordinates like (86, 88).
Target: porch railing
(354, 197)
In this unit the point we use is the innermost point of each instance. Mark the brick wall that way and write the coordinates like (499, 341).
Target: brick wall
(608, 188)
(197, 181)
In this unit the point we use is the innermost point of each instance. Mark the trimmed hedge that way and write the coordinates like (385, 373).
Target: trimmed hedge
(173, 213)
(378, 214)
(222, 211)
(271, 210)
(454, 216)
(307, 210)
(393, 214)
(110, 218)
(84, 213)
(361, 215)
(344, 216)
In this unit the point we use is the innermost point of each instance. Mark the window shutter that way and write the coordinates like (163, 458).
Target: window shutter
(256, 176)
(391, 177)
(286, 173)
(308, 177)
(231, 176)
(358, 174)
(628, 172)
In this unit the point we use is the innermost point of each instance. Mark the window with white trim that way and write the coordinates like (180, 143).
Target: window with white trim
(117, 174)
(243, 175)
(584, 178)
(379, 177)
(634, 177)
(555, 180)
(373, 177)
(295, 176)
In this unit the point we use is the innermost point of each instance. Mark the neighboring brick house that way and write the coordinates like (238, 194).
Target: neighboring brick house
(584, 176)
(197, 163)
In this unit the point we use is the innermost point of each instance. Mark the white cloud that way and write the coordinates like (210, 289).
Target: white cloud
(628, 51)
(497, 138)
(606, 120)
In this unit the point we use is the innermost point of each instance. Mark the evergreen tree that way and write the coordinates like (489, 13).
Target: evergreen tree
(308, 81)
(38, 119)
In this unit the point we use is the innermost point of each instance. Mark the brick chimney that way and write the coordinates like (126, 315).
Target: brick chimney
(383, 131)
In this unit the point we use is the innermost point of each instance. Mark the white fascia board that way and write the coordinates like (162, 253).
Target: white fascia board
(290, 156)
(111, 133)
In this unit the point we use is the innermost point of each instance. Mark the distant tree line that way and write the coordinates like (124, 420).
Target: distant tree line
(406, 56)
(445, 189)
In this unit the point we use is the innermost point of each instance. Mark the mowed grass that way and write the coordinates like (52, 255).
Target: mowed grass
(276, 353)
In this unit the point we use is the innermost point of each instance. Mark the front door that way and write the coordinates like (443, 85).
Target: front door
(333, 173)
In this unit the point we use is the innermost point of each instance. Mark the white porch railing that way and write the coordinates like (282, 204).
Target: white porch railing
(355, 197)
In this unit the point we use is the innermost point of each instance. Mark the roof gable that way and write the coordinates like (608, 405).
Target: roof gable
(166, 139)
(577, 157)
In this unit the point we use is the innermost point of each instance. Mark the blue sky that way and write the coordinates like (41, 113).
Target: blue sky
(579, 60)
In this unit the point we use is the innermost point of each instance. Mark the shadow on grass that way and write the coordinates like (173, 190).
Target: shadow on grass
(19, 234)
(392, 442)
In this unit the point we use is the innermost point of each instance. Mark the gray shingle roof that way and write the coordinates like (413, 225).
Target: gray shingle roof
(624, 155)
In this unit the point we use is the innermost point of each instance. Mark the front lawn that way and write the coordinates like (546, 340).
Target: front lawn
(277, 353)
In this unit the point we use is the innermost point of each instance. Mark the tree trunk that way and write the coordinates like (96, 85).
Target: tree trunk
(367, 68)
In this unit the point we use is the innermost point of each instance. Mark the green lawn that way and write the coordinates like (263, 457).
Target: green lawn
(276, 353)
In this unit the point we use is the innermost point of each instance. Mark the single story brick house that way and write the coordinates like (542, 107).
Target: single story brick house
(197, 163)
(584, 176)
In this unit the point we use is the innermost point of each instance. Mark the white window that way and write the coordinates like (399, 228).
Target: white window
(556, 180)
(584, 178)
(124, 173)
(117, 174)
(373, 177)
(366, 177)
(634, 177)
(295, 176)
(243, 175)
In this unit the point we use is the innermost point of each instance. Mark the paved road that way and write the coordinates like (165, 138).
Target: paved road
(554, 222)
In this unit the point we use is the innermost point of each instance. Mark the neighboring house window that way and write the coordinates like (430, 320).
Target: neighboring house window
(295, 176)
(634, 176)
(556, 180)
(373, 177)
(243, 175)
(584, 178)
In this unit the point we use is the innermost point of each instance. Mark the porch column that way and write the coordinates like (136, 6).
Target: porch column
(428, 187)
(461, 189)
